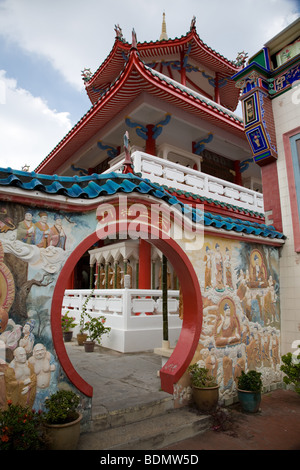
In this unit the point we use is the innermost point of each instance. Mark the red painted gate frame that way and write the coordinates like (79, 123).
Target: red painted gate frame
(192, 301)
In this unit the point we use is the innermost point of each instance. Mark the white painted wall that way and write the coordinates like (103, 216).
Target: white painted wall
(127, 314)
(287, 117)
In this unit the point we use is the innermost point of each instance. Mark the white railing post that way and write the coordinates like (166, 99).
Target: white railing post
(126, 308)
(177, 176)
(205, 188)
(164, 172)
(137, 162)
(134, 315)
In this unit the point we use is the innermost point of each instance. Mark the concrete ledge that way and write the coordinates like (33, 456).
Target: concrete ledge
(163, 352)
(151, 433)
(123, 417)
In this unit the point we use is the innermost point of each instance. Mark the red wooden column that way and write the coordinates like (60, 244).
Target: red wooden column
(150, 142)
(145, 247)
(238, 176)
(144, 265)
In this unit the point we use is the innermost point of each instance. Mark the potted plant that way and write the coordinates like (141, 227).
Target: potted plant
(205, 388)
(291, 367)
(95, 329)
(62, 420)
(249, 390)
(67, 323)
(82, 336)
(21, 428)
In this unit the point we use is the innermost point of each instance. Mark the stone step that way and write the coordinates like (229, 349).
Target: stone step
(149, 433)
(131, 414)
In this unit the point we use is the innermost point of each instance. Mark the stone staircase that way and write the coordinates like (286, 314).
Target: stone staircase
(144, 427)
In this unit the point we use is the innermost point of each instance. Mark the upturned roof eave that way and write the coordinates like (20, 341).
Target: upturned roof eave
(210, 109)
(92, 82)
(226, 67)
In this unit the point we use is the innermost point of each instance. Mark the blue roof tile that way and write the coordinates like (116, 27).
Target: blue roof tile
(93, 186)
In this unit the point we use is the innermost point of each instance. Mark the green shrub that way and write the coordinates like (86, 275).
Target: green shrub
(200, 376)
(291, 367)
(250, 381)
(67, 323)
(61, 407)
(21, 429)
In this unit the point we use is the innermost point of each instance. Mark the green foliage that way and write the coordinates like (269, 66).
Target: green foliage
(61, 407)
(83, 311)
(95, 328)
(200, 376)
(21, 429)
(67, 323)
(250, 381)
(291, 367)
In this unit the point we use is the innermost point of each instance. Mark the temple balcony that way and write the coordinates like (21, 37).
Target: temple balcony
(184, 178)
(134, 315)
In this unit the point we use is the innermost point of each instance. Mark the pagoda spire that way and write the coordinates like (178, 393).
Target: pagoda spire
(163, 28)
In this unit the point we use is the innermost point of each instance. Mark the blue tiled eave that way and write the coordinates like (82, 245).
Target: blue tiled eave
(93, 186)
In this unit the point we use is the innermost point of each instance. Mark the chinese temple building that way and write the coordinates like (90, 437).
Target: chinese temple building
(162, 168)
(176, 99)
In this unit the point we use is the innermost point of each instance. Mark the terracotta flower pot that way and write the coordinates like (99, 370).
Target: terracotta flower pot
(68, 336)
(81, 338)
(89, 346)
(206, 398)
(64, 436)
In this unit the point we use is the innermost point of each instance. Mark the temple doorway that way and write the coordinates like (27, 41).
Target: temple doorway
(187, 342)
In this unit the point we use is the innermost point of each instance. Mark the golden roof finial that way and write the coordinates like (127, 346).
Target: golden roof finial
(163, 28)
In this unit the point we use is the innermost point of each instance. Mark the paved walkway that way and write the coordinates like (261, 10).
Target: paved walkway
(119, 380)
(122, 380)
(275, 427)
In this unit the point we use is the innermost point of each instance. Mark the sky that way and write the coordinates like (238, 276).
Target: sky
(45, 44)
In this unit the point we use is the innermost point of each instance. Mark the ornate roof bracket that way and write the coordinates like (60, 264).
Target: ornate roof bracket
(143, 131)
(199, 146)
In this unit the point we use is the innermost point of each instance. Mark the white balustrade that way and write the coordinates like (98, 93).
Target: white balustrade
(134, 315)
(174, 175)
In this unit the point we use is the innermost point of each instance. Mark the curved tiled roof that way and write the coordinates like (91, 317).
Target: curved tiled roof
(210, 201)
(135, 79)
(200, 53)
(93, 186)
(196, 95)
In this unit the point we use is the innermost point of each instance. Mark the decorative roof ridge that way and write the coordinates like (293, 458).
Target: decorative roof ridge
(196, 197)
(114, 183)
(249, 68)
(230, 62)
(134, 53)
(92, 78)
(195, 94)
(126, 46)
(176, 84)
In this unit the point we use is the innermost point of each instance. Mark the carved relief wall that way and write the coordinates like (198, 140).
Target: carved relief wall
(241, 312)
(239, 285)
(34, 245)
